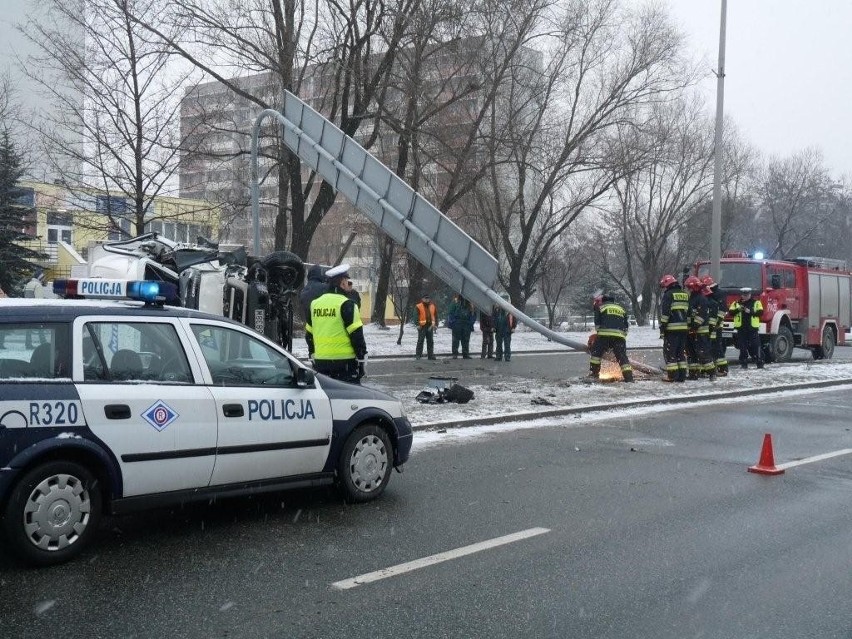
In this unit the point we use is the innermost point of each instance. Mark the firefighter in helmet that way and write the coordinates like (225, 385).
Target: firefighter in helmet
(611, 335)
(698, 351)
(746, 313)
(674, 308)
(716, 301)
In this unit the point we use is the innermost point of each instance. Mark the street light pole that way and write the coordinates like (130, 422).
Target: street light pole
(716, 223)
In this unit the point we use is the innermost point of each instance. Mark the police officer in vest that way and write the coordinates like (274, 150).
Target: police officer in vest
(746, 313)
(611, 329)
(334, 331)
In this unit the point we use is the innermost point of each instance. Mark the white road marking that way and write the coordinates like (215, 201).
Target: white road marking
(815, 458)
(400, 569)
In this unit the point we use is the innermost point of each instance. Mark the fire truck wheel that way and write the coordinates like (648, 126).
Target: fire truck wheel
(826, 348)
(781, 345)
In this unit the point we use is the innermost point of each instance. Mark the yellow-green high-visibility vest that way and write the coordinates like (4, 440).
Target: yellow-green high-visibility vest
(331, 337)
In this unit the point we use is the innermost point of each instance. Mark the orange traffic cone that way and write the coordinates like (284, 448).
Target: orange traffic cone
(766, 465)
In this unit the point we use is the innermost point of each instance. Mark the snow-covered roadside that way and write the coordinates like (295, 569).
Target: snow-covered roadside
(515, 396)
(425, 439)
(382, 342)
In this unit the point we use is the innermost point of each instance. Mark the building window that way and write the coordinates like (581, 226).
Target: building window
(110, 205)
(120, 229)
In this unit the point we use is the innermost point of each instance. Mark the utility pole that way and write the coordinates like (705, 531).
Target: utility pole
(716, 223)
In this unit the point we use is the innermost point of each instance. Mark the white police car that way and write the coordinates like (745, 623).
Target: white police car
(112, 406)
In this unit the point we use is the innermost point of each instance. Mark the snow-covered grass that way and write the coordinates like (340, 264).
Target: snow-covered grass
(381, 342)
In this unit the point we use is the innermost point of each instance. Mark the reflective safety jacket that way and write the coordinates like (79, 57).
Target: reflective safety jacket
(674, 309)
(753, 308)
(721, 306)
(334, 330)
(610, 320)
(712, 311)
(699, 314)
(427, 314)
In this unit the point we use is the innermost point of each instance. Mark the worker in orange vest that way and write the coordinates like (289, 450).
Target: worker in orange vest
(427, 321)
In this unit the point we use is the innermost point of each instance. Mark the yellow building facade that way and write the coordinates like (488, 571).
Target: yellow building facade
(62, 223)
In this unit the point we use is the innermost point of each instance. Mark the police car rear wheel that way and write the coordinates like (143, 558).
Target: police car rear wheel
(53, 512)
(365, 464)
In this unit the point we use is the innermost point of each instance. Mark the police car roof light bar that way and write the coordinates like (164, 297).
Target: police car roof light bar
(148, 291)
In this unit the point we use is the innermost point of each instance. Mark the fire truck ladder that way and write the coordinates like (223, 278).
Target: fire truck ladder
(392, 205)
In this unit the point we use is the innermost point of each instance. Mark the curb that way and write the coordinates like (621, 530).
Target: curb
(558, 412)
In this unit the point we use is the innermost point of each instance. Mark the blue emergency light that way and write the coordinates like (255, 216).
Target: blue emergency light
(148, 291)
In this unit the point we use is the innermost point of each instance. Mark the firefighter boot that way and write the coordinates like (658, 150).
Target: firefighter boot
(681, 375)
(627, 375)
(594, 371)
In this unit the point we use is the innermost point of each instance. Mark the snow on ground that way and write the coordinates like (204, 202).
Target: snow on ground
(612, 416)
(516, 396)
(381, 342)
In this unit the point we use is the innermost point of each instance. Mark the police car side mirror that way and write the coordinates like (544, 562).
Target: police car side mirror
(304, 378)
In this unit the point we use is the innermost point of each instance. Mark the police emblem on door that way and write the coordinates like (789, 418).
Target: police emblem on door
(160, 415)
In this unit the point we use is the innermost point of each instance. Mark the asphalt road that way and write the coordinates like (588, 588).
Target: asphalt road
(653, 529)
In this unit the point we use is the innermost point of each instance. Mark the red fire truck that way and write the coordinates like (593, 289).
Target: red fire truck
(806, 301)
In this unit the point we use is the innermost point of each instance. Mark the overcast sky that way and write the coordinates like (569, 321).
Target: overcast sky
(788, 69)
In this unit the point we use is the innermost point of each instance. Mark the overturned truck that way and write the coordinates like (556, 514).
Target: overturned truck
(256, 291)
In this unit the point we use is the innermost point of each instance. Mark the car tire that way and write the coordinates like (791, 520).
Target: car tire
(365, 464)
(52, 512)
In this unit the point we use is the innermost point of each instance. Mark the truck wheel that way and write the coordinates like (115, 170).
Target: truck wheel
(365, 464)
(782, 344)
(825, 350)
(53, 512)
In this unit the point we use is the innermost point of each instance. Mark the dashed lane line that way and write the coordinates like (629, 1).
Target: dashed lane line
(814, 459)
(400, 569)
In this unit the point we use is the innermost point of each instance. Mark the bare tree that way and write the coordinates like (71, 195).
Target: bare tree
(432, 74)
(671, 176)
(8, 106)
(798, 197)
(564, 267)
(739, 207)
(344, 52)
(115, 128)
(549, 158)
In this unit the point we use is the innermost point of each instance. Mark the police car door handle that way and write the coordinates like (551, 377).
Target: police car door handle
(117, 411)
(232, 410)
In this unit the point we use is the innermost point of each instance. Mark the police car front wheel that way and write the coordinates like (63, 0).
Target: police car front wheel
(53, 512)
(365, 464)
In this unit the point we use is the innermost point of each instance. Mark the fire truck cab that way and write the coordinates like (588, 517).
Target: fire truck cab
(806, 301)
